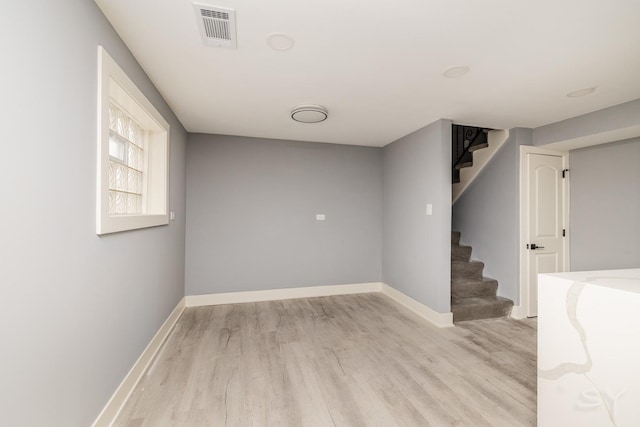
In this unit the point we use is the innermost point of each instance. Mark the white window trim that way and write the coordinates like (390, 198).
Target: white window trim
(113, 82)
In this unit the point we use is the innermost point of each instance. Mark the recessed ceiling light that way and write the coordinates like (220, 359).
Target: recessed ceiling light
(454, 72)
(279, 41)
(309, 114)
(581, 92)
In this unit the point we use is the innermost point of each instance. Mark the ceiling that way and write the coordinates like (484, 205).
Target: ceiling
(377, 66)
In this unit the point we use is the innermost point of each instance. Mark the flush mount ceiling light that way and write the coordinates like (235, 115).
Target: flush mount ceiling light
(279, 41)
(454, 72)
(581, 92)
(309, 114)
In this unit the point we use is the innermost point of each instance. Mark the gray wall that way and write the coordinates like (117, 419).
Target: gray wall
(605, 206)
(487, 215)
(78, 309)
(416, 247)
(603, 121)
(251, 207)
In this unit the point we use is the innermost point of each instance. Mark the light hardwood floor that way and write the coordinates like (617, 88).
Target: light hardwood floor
(354, 360)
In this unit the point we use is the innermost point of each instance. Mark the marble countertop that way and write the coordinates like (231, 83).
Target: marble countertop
(589, 349)
(624, 280)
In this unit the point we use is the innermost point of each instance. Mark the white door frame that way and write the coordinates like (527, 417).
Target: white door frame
(522, 309)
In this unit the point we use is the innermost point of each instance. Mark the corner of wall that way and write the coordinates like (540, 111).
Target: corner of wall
(416, 172)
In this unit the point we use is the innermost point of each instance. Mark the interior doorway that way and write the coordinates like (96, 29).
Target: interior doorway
(544, 216)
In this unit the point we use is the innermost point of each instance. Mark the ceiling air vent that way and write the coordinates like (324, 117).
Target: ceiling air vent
(217, 25)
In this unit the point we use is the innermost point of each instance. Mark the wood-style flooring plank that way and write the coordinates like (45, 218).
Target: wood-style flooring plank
(354, 360)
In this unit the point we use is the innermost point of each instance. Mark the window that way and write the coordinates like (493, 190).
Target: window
(133, 148)
(126, 163)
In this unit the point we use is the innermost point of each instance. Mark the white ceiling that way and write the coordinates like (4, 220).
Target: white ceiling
(377, 65)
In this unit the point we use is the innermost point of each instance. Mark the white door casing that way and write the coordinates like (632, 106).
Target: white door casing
(543, 218)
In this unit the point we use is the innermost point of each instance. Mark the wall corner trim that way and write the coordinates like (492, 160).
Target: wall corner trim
(518, 312)
(128, 384)
(441, 320)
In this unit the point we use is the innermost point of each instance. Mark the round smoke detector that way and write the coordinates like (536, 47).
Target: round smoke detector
(309, 114)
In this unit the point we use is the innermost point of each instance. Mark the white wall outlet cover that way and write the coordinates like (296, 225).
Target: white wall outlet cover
(429, 209)
(320, 217)
(172, 215)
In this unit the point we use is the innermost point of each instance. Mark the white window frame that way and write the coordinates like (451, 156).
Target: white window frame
(114, 84)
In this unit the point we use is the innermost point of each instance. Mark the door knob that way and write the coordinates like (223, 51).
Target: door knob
(534, 246)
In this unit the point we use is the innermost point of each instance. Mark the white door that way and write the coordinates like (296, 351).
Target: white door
(545, 241)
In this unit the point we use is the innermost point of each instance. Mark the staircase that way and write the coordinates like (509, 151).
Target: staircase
(472, 295)
(481, 158)
(464, 141)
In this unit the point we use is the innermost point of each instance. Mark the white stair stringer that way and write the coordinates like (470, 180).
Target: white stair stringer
(480, 159)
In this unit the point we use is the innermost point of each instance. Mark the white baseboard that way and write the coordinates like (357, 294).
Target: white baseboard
(280, 294)
(126, 387)
(438, 319)
(518, 312)
(441, 320)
